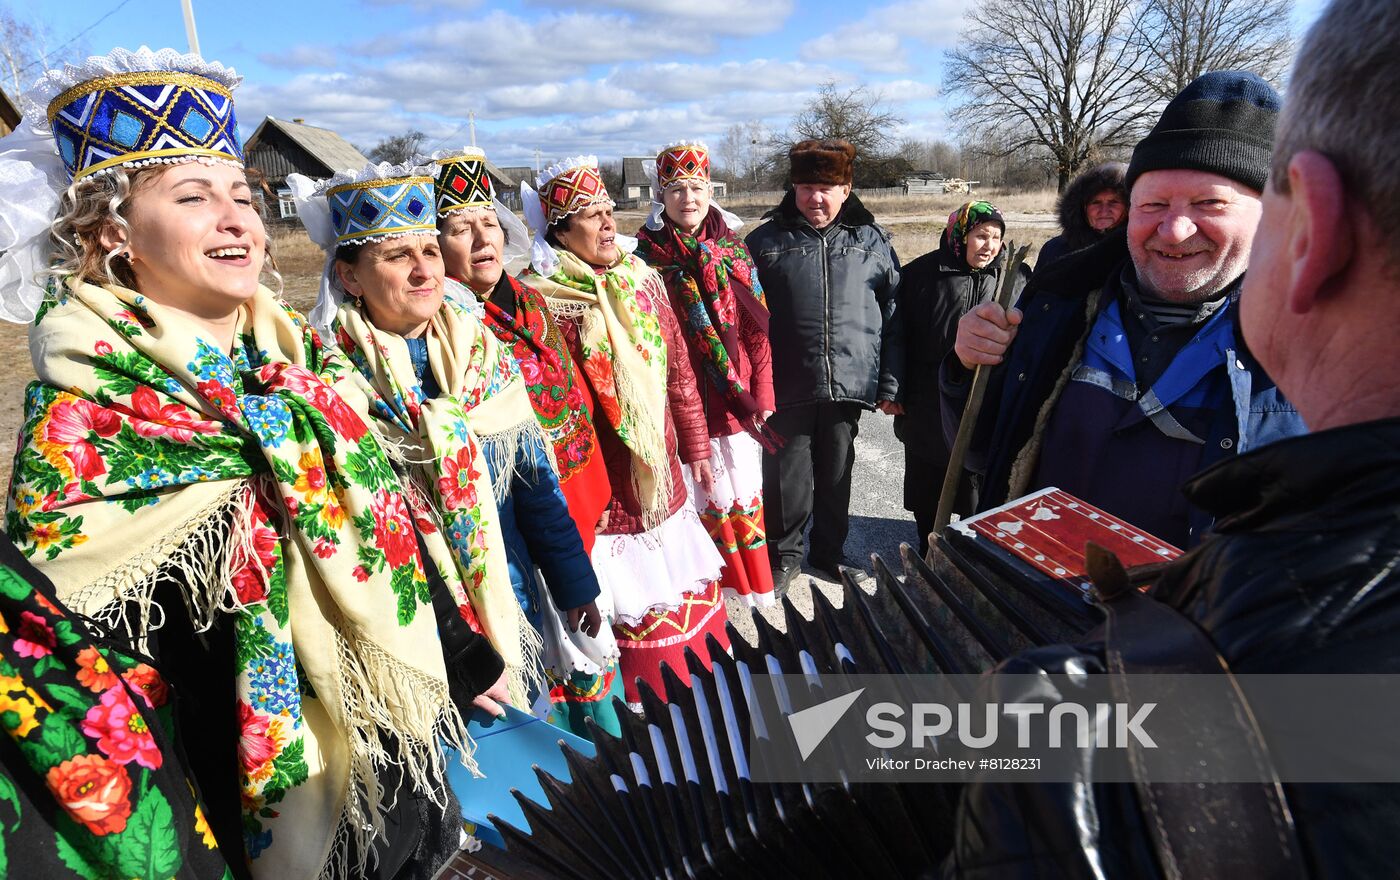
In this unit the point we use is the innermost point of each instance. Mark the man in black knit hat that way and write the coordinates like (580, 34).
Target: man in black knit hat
(1123, 372)
(1299, 577)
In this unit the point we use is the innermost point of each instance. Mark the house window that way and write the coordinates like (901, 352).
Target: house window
(286, 205)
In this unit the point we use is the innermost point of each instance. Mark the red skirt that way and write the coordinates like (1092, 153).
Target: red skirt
(664, 636)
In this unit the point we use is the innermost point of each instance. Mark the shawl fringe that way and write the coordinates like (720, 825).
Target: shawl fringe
(418, 753)
(199, 554)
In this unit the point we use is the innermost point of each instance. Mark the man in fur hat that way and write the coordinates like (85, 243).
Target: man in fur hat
(830, 275)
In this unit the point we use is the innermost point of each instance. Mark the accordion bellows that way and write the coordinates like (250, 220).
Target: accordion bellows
(672, 797)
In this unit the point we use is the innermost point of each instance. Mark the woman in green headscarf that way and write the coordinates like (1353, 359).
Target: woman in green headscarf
(935, 291)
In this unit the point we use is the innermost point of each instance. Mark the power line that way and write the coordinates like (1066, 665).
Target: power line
(75, 38)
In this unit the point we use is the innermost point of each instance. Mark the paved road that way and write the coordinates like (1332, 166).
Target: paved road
(879, 521)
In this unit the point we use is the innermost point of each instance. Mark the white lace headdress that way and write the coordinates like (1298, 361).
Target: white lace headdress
(126, 109)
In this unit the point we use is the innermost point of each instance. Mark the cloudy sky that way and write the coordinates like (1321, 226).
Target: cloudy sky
(614, 77)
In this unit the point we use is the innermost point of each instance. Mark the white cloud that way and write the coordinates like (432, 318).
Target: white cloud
(875, 49)
(301, 57)
(674, 81)
(619, 79)
(877, 41)
(739, 18)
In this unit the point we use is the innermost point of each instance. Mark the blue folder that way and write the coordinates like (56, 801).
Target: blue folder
(505, 750)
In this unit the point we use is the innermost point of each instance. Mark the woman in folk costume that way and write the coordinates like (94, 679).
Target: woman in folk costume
(448, 396)
(479, 236)
(656, 561)
(724, 320)
(73, 780)
(195, 472)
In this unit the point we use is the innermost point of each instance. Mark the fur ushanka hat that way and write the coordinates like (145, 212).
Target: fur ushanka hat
(829, 161)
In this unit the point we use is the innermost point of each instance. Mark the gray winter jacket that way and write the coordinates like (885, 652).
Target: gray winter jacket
(831, 299)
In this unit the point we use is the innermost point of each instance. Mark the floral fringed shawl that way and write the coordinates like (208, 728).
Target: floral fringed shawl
(713, 276)
(148, 453)
(93, 789)
(624, 360)
(482, 409)
(560, 405)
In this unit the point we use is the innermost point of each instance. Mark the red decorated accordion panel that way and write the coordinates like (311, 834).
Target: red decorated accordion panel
(1044, 535)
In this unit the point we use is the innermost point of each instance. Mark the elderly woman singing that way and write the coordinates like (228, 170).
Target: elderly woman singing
(196, 473)
(479, 236)
(654, 557)
(449, 398)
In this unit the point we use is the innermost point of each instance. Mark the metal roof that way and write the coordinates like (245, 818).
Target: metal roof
(324, 145)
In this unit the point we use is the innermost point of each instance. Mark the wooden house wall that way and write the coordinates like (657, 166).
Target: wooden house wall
(277, 155)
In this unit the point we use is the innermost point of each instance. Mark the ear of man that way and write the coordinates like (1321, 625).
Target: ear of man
(1322, 235)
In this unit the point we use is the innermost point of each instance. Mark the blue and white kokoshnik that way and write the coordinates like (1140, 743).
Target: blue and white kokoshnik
(358, 206)
(127, 109)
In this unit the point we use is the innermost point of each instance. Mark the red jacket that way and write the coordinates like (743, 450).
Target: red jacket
(687, 439)
(755, 366)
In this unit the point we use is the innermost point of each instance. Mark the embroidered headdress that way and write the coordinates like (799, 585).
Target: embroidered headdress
(681, 162)
(677, 163)
(122, 110)
(463, 183)
(356, 207)
(563, 189)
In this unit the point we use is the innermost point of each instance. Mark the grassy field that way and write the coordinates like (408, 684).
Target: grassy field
(914, 222)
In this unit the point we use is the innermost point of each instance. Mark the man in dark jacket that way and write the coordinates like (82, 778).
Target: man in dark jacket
(831, 276)
(1094, 203)
(1127, 373)
(1300, 574)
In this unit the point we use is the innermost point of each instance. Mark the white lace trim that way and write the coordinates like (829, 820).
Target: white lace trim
(34, 103)
(463, 153)
(375, 171)
(563, 166)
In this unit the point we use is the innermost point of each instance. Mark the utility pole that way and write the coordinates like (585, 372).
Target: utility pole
(190, 34)
(471, 121)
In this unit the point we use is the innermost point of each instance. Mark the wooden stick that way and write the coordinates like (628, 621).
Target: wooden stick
(954, 476)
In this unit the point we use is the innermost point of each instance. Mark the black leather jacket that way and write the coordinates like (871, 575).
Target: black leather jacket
(831, 300)
(1302, 575)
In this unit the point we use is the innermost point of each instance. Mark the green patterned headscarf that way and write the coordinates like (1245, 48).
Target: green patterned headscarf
(960, 223)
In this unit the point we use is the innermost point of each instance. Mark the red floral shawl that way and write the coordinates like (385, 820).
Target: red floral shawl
(556, 393)
(712, 276)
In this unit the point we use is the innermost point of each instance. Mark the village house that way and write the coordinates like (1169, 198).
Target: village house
(279, 148)
(9, 114)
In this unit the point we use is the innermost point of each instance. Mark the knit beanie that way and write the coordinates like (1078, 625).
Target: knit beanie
(830, 162)
(1223, 122)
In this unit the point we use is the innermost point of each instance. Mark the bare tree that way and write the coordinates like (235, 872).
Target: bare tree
(399, 148)
(746, 151)
(24, 51)
(1186, 38)
(858, 115)
(1060, 75)
(611, 170)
